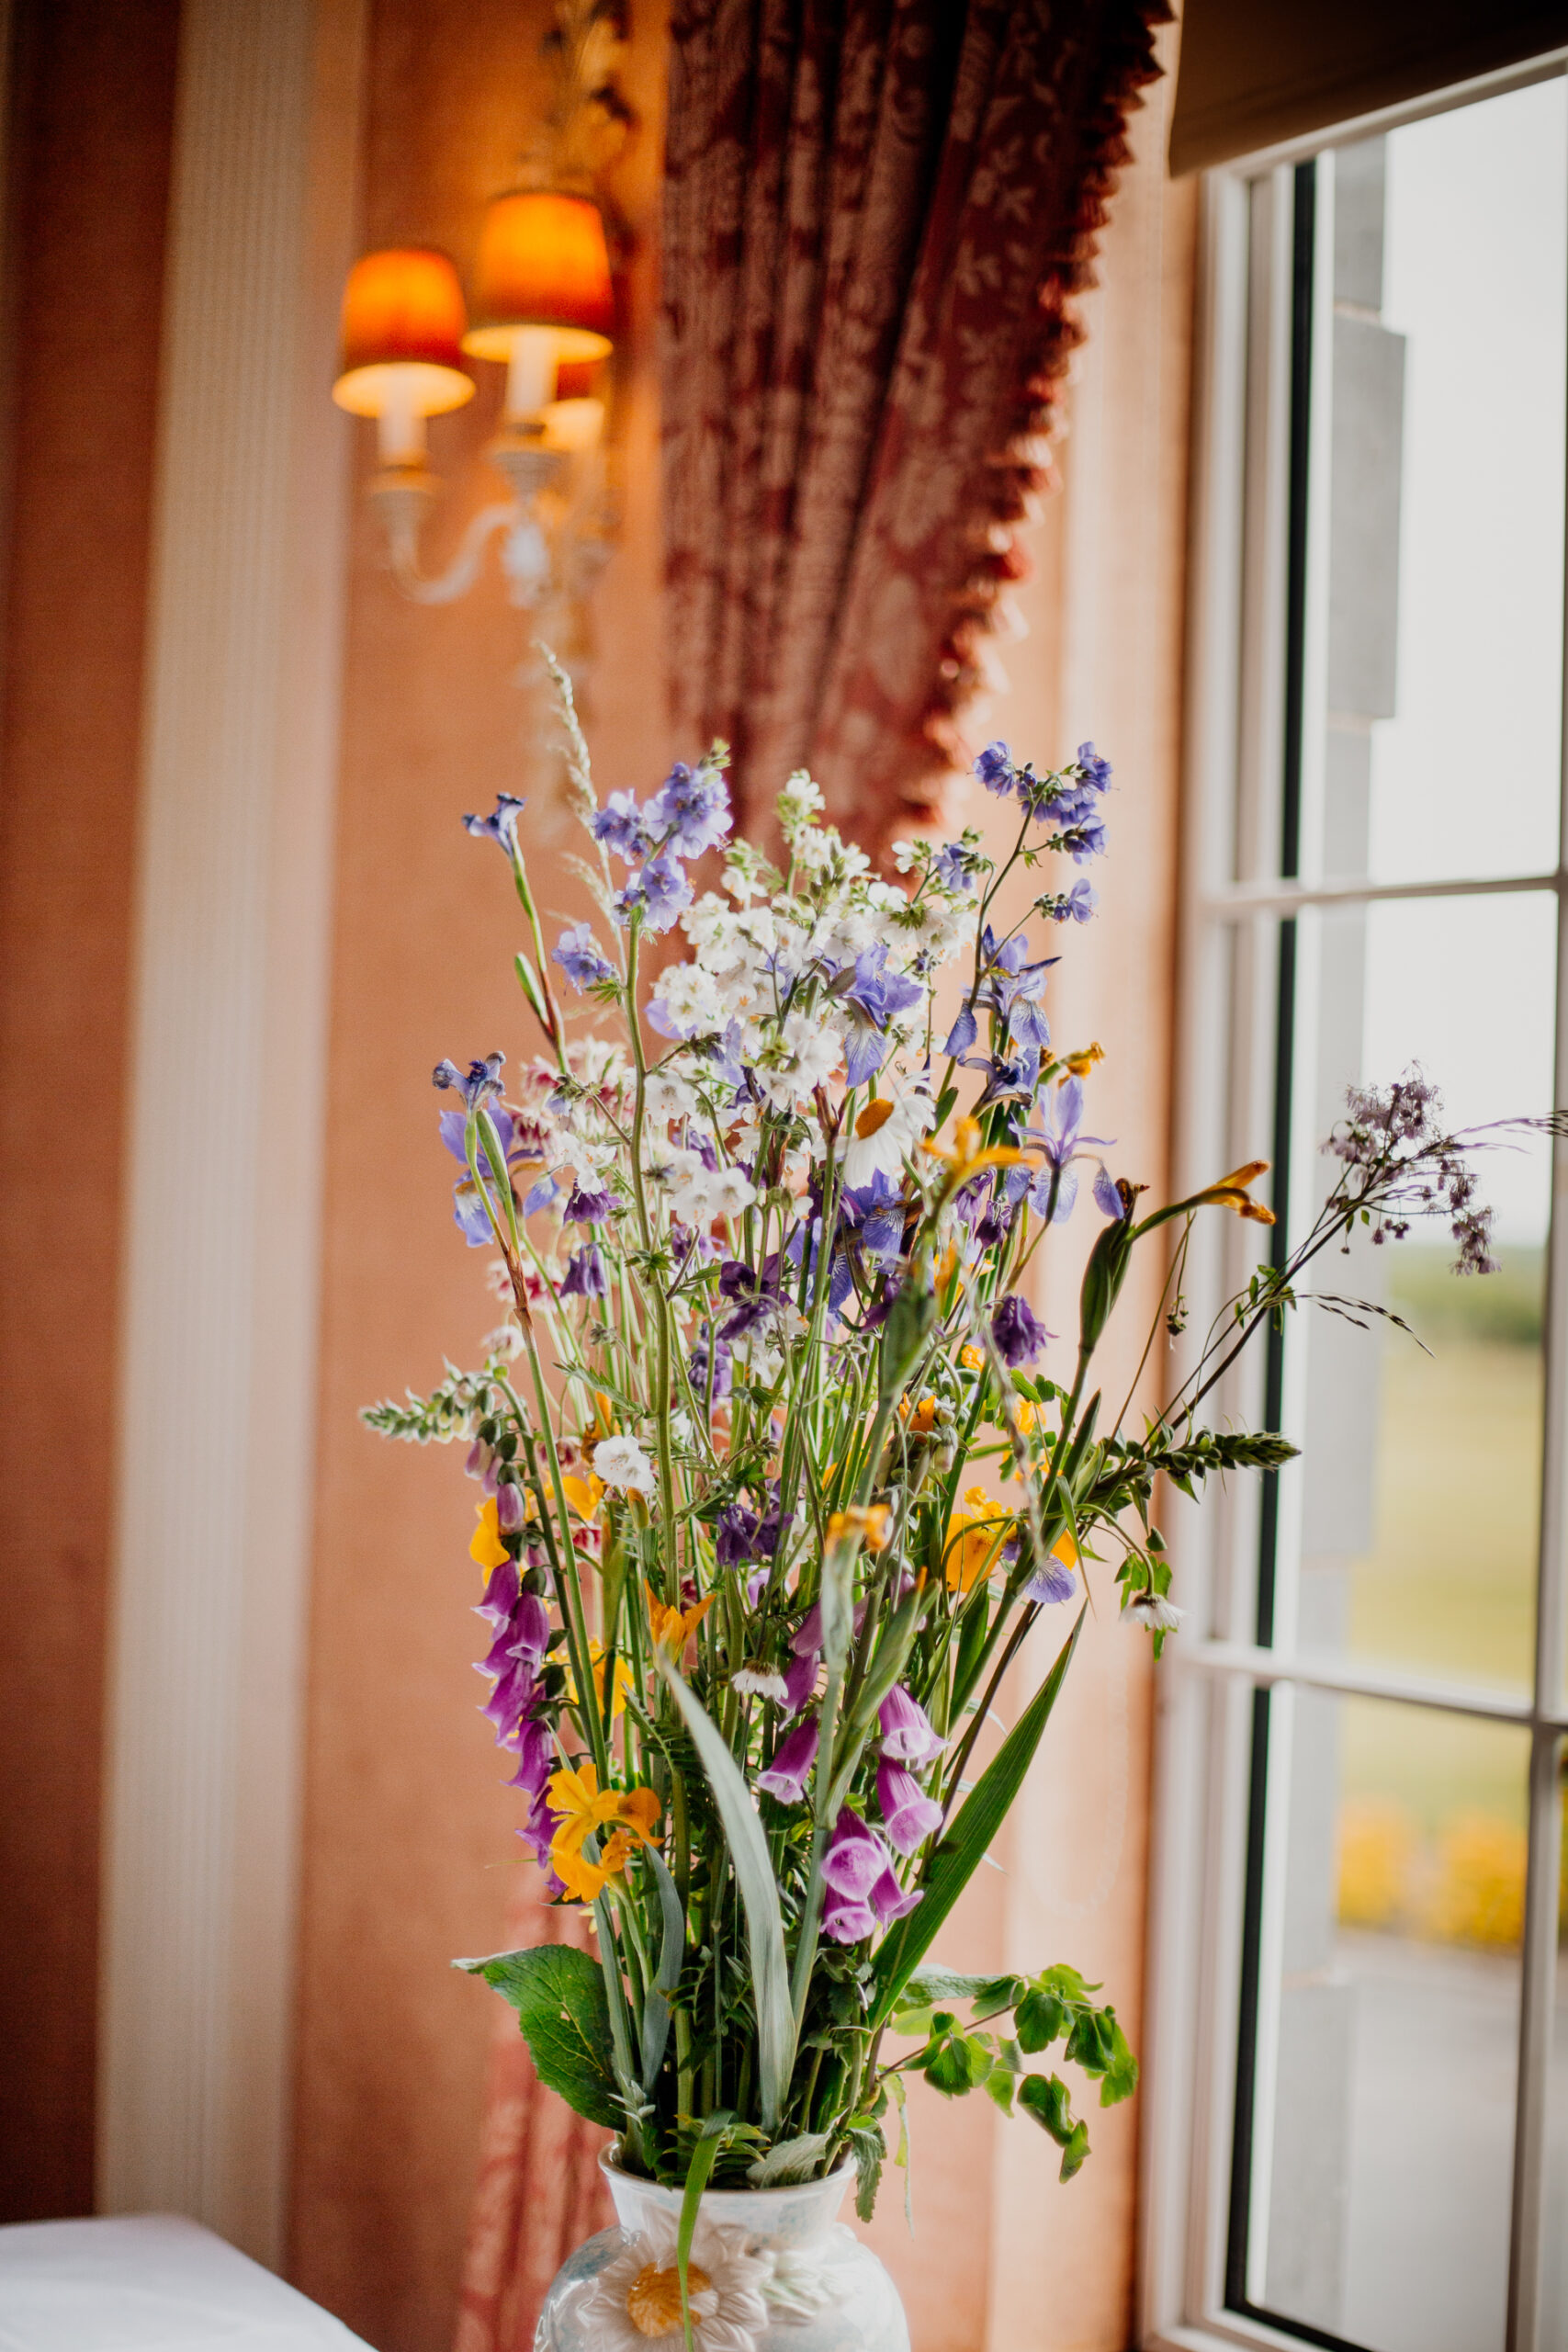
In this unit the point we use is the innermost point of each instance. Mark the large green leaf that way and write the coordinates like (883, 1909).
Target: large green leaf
(558, 1995)
(759, 1895)
(958, 1858)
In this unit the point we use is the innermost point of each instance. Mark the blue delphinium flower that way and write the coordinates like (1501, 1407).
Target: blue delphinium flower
(1097, 770)
(577, 952)
(691, 809)
(620, 825)
(1076, 905)
(995, 769)
(1018, 1331)
(955, 865)
(873, 996)
(500, 826)
(662, 890)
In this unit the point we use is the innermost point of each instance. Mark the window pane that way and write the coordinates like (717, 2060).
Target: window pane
(1418, 1489)
(1443, 673)
(1385, 2063)
(1554, 2233)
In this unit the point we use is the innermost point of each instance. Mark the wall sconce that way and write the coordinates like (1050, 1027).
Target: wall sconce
(543, 308)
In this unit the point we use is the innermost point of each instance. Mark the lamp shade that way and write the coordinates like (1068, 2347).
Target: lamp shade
(402, 312)
(542, 262)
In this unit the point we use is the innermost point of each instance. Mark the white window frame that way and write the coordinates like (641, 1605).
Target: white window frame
(1206, 1682)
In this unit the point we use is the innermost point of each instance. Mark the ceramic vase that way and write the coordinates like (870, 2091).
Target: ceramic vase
(772, 2270)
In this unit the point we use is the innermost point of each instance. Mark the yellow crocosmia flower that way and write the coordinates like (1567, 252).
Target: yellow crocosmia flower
(922, 1417)
(1079, 1065)
(639, 1812)
(624, 1681)
(1231, 1193)
(972, 1358)
(583, 1880)
(673, 1628)
(485, 1545)
(873, 1523)
(631, 1814)
(583, 1494)
(975, 1535)
(1064, 1549)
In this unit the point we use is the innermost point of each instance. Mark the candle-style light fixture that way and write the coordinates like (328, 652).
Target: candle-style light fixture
(544, 308)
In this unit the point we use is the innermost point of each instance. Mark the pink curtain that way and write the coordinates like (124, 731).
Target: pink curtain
(876, 215)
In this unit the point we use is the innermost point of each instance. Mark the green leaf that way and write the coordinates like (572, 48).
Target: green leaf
(791, 2160)
(1041, 2017)
(958, 1858)
(671, 1954)
(958, 2063)
(1045, 2096)
(714, 2133)
(759, 1896)
(529, 981)
(901, 2153)
(558, 1995)
(931, 1984)
(869, 2150)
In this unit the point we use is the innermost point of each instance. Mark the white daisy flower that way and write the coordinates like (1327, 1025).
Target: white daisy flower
(621, 1462)
(887, 1132)
(634, 2304)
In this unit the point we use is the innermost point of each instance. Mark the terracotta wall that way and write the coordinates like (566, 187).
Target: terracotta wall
(410, 1855)
(90, 139)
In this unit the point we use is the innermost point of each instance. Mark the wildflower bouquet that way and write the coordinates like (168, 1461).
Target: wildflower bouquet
(774, 1482)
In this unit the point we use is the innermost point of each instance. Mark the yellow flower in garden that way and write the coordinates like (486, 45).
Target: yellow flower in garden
(971, 1357)
(872, 1524)
(584, 1807)
(922, 1417)
(485, 1545)
(975, 1535)
(624, 1681)
(673, 1628)
(583, 1494)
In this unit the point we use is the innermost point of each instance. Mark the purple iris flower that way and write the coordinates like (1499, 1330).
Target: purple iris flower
(1016, 988)
(482, 1080)
(588, 1208)
(994, 767)
(541, 1194)
(855, 1858)
(1054, 1190)
(577, 952)
(1108, 1200)
(874, 1214)
(787, 1776)
(585, 1276)
(908, 1736)
(878, 993)
(691, 806)
(621, 826)
(1018, 1331)
(501, 827)
(963, 1034)
(908, 1815)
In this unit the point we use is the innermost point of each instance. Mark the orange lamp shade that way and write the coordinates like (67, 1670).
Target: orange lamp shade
(403, 309)
(542, 262)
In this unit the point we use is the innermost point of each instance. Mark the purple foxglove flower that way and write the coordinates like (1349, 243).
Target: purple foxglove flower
(691, 806)
(847, 1922)
(809, 1633)
(621, 826)
(907, 1813)
(502, 1589)
(994, 767)
(535, 1758)
(578, 955)
(588, 1208)
(665, 892)
(855, 1858)
(907, 1733)
(509, 1507)
(529, 1629)
(585, 1276)
(517, 1694)
(502, 825)
(800, 1681)
(787, 1776)
(541, 1827)
(889, 1901)
(1018, 1331)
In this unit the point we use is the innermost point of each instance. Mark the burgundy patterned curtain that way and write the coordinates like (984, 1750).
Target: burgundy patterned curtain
(876, 214)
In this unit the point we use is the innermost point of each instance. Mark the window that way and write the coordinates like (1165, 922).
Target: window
(1357, 2130)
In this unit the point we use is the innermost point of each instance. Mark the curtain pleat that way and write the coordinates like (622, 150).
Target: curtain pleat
(876, 214)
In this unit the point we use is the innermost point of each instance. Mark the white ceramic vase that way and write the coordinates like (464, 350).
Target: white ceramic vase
(772, 2270)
